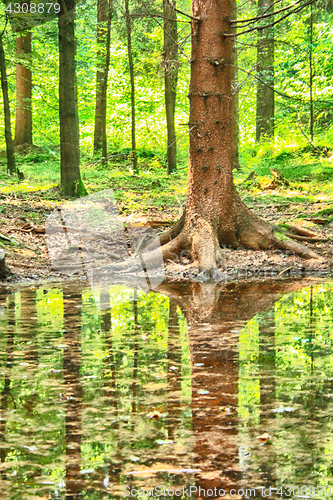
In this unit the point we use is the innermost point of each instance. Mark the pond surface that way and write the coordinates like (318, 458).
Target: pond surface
(210, 391)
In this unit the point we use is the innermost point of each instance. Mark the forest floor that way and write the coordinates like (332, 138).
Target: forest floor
(155, 200)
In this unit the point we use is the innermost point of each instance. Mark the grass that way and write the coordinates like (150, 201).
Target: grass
(151, 188)
(308, 177)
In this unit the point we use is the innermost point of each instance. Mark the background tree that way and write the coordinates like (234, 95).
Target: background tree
(171, 64)
(11, 164)
(311, 72)
(265, 72)
(104, 12)
(71, 184)
(23, 122)
(131, 69)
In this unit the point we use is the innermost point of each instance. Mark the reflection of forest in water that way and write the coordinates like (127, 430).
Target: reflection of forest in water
(166, 389)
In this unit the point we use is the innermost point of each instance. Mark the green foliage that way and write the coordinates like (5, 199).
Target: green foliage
(290, 155)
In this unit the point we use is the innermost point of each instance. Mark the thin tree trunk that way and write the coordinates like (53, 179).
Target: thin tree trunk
(23, 122)
(171, 66)
(71, 184)
(131, 68)
(311, 75)
(11, 164)
(265, 71)
(104, 10)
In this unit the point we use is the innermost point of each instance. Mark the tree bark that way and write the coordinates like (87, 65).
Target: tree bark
(11, 164)
(265, 82)
(104, 10)
(71, 183)
(131, 69)
(311, 75)
(23, 122)
(171, 66)
(235, 101)
(215, 215)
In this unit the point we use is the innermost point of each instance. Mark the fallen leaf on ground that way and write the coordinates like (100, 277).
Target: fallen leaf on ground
(264, 437)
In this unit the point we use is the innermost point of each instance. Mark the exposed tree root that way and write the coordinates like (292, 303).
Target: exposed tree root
(301, 231)
(204, 242)
(305, 238)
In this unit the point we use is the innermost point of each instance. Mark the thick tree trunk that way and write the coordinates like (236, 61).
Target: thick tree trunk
(131, 69)
(11, 164)
(104, 9)
(23, 123)
(71, 184)
(171, 66)
(265, 82)
(215, 215)
(235, 101)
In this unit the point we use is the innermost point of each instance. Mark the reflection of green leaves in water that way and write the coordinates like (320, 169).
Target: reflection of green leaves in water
(136, 400)
(110, 429)
(303, 378)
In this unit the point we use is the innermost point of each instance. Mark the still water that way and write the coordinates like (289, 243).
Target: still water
(210, 391)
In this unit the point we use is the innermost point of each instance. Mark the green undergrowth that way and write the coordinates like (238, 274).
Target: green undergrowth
(280, 175)
(303, 175)
(151, 188)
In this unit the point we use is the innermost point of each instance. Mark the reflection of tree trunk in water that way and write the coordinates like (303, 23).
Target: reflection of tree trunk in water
(135, 359)
(267, 362)
(131, 70)
(214, 351)
(30, 356)
(110, 389)
(30, 327)
(311, 324)
(6, 389)
(73, 392)
(106, 326)
(174, 371)
(110, 383)
(267, 377)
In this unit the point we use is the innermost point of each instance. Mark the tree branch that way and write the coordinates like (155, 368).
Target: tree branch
(264, 16)
(168, 34)
(266, 26)
(286, 96)
(183, 13)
